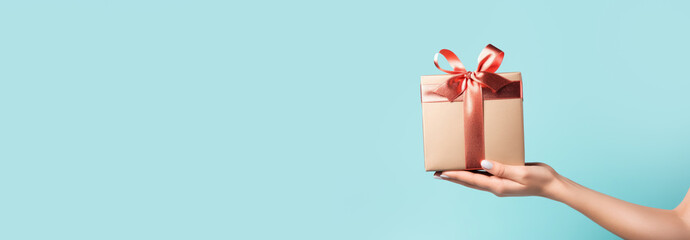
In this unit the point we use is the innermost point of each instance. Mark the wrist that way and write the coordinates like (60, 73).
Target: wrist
(558, 188)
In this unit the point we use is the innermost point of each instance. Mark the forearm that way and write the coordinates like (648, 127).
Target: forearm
(627, 220)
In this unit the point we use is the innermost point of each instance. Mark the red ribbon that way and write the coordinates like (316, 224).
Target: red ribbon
(471, 84)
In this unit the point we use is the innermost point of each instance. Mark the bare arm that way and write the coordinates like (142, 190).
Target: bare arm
(627, 220)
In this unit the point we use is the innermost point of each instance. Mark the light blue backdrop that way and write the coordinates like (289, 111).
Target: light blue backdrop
(302, 120)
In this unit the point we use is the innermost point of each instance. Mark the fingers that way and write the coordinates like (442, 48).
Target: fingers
(498, 186)
(474, 180)
(515, 173)
(442, 176)
(467, 184)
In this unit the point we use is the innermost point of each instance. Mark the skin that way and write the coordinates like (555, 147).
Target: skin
(627, 220)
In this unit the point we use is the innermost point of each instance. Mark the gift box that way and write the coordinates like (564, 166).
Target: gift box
(471, 116)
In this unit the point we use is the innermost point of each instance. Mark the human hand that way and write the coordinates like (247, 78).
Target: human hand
(625, 219)
(533, 179)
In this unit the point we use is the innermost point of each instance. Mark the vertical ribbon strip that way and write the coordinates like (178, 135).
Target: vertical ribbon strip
(470, 84)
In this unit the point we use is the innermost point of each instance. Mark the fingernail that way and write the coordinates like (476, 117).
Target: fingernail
(444, 176)
(487, 165)
(437, 177)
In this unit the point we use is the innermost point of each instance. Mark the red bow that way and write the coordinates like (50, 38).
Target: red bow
(471, 84)
(489, 60)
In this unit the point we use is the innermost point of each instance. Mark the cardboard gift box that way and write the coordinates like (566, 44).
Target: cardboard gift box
(471, 116)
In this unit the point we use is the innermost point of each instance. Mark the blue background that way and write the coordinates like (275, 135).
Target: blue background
(302, 119)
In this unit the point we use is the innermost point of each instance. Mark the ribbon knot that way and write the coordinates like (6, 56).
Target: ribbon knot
(489, 60)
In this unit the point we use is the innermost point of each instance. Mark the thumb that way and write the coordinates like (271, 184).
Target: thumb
(514, 173)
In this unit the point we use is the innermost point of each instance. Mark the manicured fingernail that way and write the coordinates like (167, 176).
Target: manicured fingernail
(487, 165)
(444, 176)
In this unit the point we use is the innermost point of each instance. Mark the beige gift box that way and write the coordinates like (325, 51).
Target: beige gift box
(443, 125)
